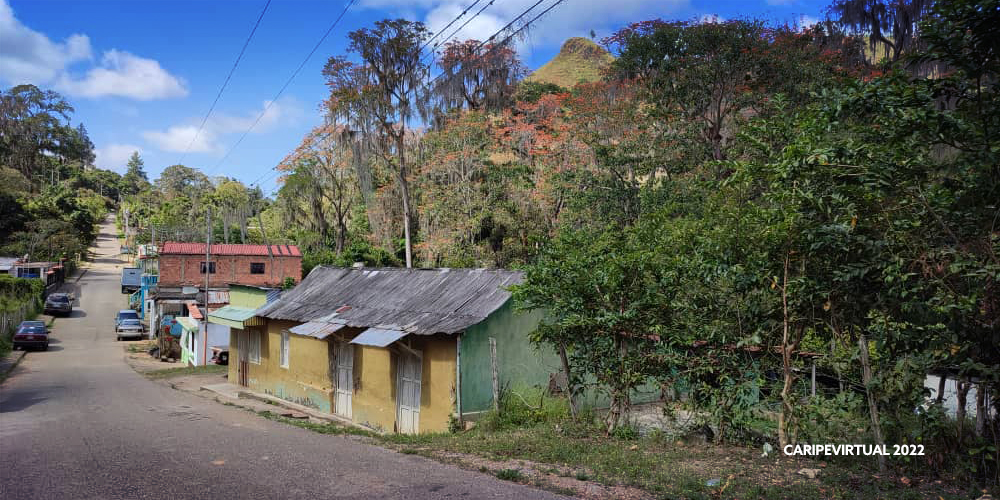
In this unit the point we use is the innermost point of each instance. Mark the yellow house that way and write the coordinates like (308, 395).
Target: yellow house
(380, 347)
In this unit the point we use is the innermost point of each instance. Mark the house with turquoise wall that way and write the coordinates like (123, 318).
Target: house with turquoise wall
(395, 350)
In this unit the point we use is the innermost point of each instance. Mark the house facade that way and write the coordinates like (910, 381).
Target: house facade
(184, 272)
(394, 350)
(184, 264)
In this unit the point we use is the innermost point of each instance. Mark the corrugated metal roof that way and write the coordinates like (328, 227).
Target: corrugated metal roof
(187, 323)
(174, 247)
(421, 301)
(193, 310)
(317, 329)
(233, 313)
(377, 337)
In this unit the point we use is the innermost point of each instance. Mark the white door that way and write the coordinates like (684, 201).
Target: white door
(345, 378)
(408, 393)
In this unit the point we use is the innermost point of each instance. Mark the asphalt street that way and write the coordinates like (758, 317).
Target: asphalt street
(78, 422)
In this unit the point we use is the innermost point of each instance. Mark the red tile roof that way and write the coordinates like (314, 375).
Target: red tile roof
(173, 247)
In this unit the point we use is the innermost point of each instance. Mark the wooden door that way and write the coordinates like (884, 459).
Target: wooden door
(408, 393)
(243, 356)
(345, 378)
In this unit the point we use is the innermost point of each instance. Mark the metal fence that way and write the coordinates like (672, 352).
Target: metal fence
(10, 319)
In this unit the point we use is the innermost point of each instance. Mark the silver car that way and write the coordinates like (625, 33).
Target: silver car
(130, 328)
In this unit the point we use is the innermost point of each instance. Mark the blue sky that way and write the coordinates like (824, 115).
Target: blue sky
(143, 73)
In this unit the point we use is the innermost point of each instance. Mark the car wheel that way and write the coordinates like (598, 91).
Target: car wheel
(119, 338)
(45, 347)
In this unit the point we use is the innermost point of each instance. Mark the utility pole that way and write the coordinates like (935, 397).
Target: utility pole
(208, 272)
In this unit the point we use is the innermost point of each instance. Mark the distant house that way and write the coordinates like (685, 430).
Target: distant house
(180, 290)
(230, 325)
(400, 350)
(6, 264)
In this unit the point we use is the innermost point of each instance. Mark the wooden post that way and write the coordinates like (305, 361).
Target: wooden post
(458, 376)
(494, 374)
(814, 378)
(866, 377)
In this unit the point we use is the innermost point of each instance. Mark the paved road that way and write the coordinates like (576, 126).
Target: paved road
(77, 422)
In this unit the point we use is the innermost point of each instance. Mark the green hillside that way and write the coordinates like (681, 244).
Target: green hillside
(579, 60)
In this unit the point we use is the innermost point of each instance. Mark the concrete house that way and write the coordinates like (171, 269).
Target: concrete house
(184, 272)
(235, 321)
(394, 350)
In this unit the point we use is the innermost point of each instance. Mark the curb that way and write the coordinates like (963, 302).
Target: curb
(15, 357)
(264, 398)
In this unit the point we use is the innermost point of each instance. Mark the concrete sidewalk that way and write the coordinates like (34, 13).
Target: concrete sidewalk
(241, 396)
(9, 362)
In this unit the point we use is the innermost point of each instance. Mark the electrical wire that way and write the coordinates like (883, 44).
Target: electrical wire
(226, 82)
(287, 83)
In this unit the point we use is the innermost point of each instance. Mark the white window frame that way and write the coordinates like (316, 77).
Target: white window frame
(253, 346)
(284, 349)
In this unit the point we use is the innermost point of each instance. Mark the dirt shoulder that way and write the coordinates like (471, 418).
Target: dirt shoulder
(576, 458)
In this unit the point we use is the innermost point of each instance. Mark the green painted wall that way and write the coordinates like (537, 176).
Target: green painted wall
(247, 296)
(519, 363)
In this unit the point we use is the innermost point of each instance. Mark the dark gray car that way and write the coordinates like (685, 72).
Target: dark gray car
(59, 303)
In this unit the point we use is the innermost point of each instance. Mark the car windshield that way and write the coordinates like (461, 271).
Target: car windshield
(59, 298)
(33, 329)
(32, 323)
(131, 322)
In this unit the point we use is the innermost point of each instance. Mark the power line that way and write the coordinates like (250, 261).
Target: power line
(501, 30)
(287, 83)
(225, 83)
(459, 16)
(460, 28)
(275, 172)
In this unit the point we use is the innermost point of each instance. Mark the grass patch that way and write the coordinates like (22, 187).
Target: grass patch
(510, 475)
(186, 370)
(324, 428)
(141, 347)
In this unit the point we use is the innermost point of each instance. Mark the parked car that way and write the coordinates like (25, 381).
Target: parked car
(125, 314)
(59, 303)
(130, 328)
(31, 334)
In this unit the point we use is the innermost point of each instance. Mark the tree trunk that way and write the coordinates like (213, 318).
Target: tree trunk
(570, 387)
(963, 399)
(941, 383)
(981, 410)
(786, 364)
(866, 377)
(619, 391)
(404, 189)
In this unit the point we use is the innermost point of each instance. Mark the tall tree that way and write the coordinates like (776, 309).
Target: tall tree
(135, 179)
(891, 26)
(477, 76)
(379, 97)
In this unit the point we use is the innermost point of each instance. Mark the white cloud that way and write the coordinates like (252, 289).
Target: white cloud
(123, 74)
(28, 56)
(571, 18)
(176, 138)
(115, 156)
(807, 21)
(711, 18)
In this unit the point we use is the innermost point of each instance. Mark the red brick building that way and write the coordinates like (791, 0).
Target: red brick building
(183, 264)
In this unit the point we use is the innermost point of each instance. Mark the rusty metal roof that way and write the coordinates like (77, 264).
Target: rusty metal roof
(174, 247)
(218, 296)
(420, 301)
(317, 329)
